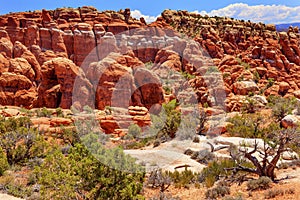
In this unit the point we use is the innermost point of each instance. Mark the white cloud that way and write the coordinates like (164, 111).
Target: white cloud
(260, 13)
(137, 14)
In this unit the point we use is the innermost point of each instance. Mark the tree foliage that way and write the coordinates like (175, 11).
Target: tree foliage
(84, 173)
(20, 141)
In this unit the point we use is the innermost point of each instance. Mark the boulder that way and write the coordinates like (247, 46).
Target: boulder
(21, 66)
(244, 87)
(290, 121)
(283, 87)
(21, 51)
(6, 47)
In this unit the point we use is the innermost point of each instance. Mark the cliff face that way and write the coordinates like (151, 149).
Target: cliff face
(44, 55)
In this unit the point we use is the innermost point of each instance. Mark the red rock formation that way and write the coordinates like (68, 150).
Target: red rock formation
(58, 81)
(64, 40)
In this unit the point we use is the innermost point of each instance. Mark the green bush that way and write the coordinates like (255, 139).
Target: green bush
(166, 124)
(260, 183)
(167, 90)
(43, 112)
(18, 190)
(214, 170)
(183, 179)
(249, 106)
(92, 172)
(3, 162)
(158, 179)
(245, 125)
(256, 77)
(270, 82)
(187, 75)
(282, 106)
(135, 131)
(59, 112)
(191, 124)
(244, 64)
(20, 141)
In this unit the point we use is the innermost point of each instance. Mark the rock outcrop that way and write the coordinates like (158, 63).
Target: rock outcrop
(245, 51)
(65, 57)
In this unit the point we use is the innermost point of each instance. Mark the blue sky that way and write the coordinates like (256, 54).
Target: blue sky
(255, 10)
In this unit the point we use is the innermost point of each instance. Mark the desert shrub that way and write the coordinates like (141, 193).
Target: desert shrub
(191, 125)
(260, 183)
(149, 65)
(182, 179)
(167, 90)
(256, 77)
(20, 141)
(270, 83)
(282, 106)
(135, 131)
(218, 191)
(244, 64)
(43, 112)
(11, 185)
(158, 179)
(187, 75)
(90, 171)
(215, 170)
(272, 193)
(173, 118)
(3, 162)
(18, 190)
(165, 125)
(188, 152)
(156, 143)
(246, 126)
(249, 106)
(196, 139)
(86, 126)
(59, 112)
